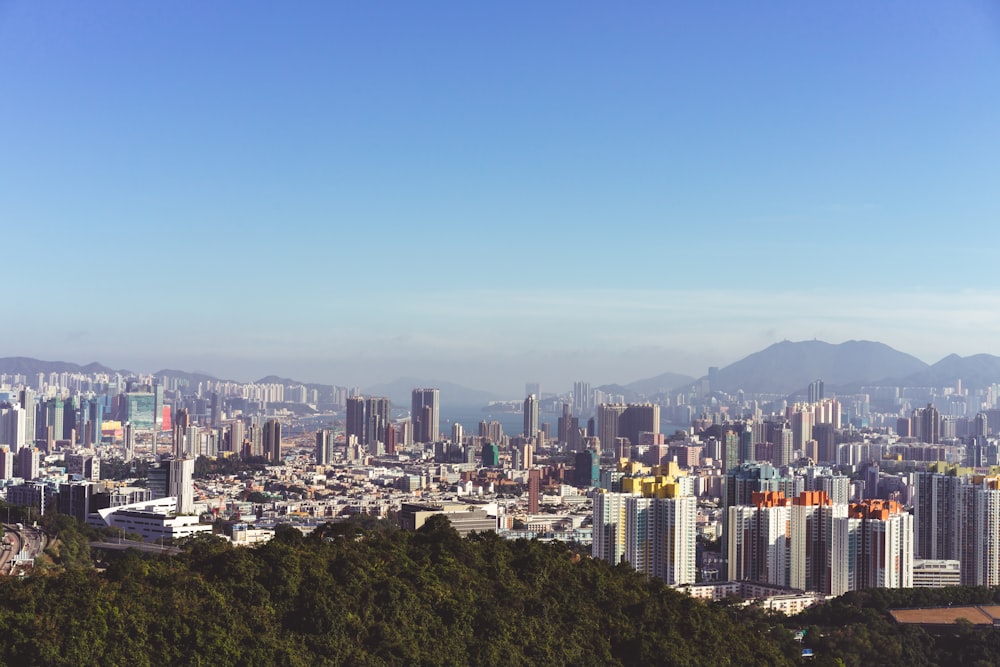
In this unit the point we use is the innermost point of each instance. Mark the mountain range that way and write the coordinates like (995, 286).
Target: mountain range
(783, 368)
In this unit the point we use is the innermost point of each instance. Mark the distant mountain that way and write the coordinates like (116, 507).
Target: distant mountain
(659, 384)
(399, 391)
(976, 372)
(28, 366)
(648, 388)
(788, 367)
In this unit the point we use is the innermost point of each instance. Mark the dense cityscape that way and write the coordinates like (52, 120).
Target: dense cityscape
(788, 499)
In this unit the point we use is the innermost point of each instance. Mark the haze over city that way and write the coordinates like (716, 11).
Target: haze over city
(494, 194)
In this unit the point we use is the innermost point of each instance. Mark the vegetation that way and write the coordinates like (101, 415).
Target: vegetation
(364, 592)
(354, 594)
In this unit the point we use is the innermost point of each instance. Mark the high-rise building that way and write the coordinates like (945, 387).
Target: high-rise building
(272, 440)
(7, 466)
(13, 426)
(355, 418)
(324, 446)
(530, 416)
(181, 423)
(425, 410)
(587, 469)
(660, 537)
(609, 526)
(491, 455)
(128, 437)
(28, 460)
(377, 411)
(457, 435)
(26, 397)
(651, 524)
(815, 391)
(491, 431)
(180, 483)
(534, 489)
(583, 401)
(927, 422)
(618, 420)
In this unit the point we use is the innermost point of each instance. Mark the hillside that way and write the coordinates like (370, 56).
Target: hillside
(374, 597)
(788, 367)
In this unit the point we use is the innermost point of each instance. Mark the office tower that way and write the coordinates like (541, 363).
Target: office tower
(13, 429)
(324, 446)
(582, 398)
(608, 416)
(129, 441)
(216, 408)
(52, 423)
(456, 433)
(530, 416)
(425, 410)
(254, 447)
(377, 410)
(95, 420)
(69, 420)
(237, 434)
(587, 469)
(180, 484)
(157, 405)
(181, 422)
(815, 391)
(355, 418)
(272, 440)
(26, 397)
(638, 419)
(617, 420)
(904, 427)
(491, 455)
(140, 410)
(28, 459)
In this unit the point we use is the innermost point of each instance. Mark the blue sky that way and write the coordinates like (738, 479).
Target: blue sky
(495, 193)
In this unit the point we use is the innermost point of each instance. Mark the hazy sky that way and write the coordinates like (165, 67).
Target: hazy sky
(495, 193)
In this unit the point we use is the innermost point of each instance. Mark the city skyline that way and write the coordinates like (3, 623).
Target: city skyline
(492, 195)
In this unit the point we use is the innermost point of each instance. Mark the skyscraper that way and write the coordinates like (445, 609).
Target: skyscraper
(355, 419)
(530, 416)
(426, 425)
(324, 446)
(272, 440)
(377, 411)
(815, 391)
